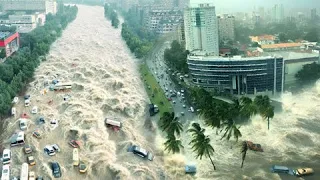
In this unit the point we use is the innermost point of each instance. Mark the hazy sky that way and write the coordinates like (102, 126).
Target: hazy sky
(245, 5)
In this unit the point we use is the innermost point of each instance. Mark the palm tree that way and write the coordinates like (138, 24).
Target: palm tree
(166, 119)
(247, 107)
(244, 149)
(269, 113)
(172, 144)
(174, 127)
(265, 109)
(201, 143)
(231, 129)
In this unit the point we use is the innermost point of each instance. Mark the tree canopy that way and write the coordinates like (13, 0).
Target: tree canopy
(176, 57)
(309, 73)
(112, 15)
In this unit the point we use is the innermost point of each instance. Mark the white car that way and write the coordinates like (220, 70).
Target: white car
(13, 111)
(5, 172)
(23, 124)
(184, 106)
(15, 100)
(32, 175)
(182, 91)
(27, 102)
(34, 110)
(49, 150)
(6, 156)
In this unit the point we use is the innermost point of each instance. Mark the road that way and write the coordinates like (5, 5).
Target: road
(159, 70)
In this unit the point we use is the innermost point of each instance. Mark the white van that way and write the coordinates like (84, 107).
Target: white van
(6, 156)
(17, 139)
(13, 111)
(23, 124)
(24, 174)
(110, 122)
(5, 172)
(15, 100)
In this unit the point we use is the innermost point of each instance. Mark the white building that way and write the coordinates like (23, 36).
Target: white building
(201, 28)
(226, 27)
(278, 13)
(47, 6)
(25, 22)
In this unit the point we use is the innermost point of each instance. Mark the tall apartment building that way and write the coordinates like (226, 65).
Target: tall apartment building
(163, 20)
(277, 13)
(313, 14)
(201, 28)
(47, 6)
(226, 27)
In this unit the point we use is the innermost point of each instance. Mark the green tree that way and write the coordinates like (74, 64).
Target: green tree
(231, 129)
(268, 114)
(201, 143)
(283, 37)
(265, 109)
(3, 53)
(172, 144)
(170, 123)
(309, 73)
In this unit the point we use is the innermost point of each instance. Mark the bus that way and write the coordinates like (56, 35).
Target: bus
(60, 86)
(24, 174)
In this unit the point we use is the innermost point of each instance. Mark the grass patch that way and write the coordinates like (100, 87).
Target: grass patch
(152, 87)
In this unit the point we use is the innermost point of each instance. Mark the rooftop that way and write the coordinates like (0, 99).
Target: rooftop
(197, 55)
(262, 37)
(282, 45)
(293, 55)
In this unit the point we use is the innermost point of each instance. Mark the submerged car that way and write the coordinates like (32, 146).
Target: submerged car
(303, 171)
(31, 160)
(74, 143)
(279, 169)
(56, 170)
(36, 134)
(49, 150)
(82, 167)
(27, 149)
(254, 147)
(142, 152)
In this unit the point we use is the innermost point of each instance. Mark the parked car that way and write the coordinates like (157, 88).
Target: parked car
(31, 161)
(303, 171)
(27, 149)
(6, 156)
(27, 102)
(13, 111)
(142, 152)
(184, 106)
(56, 170)
(49, 150)
(190, 169)
(39, 178)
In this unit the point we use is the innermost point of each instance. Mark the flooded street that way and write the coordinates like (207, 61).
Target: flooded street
(105, 83)
(92, 56)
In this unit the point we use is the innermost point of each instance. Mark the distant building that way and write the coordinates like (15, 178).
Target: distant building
(25, 22)
(171, 4)
(263, 39)
(9, 42)
(237, 75)
(180, 33)
(46, 6)
(201, 28)
(282, 47)
(163, 20)
(226, 27)
(277, 13)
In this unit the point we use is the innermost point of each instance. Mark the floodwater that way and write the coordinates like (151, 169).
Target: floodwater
(106, 83)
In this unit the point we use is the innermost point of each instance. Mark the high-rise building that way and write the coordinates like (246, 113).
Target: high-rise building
(226, 27)
(47, 6)
(201, 28)
(278, 13)
(314, 14)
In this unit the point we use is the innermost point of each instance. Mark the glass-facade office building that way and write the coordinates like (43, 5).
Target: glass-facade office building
(238, 75)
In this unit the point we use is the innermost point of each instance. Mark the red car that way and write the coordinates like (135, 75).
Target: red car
(74, 143)
(254, 147)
